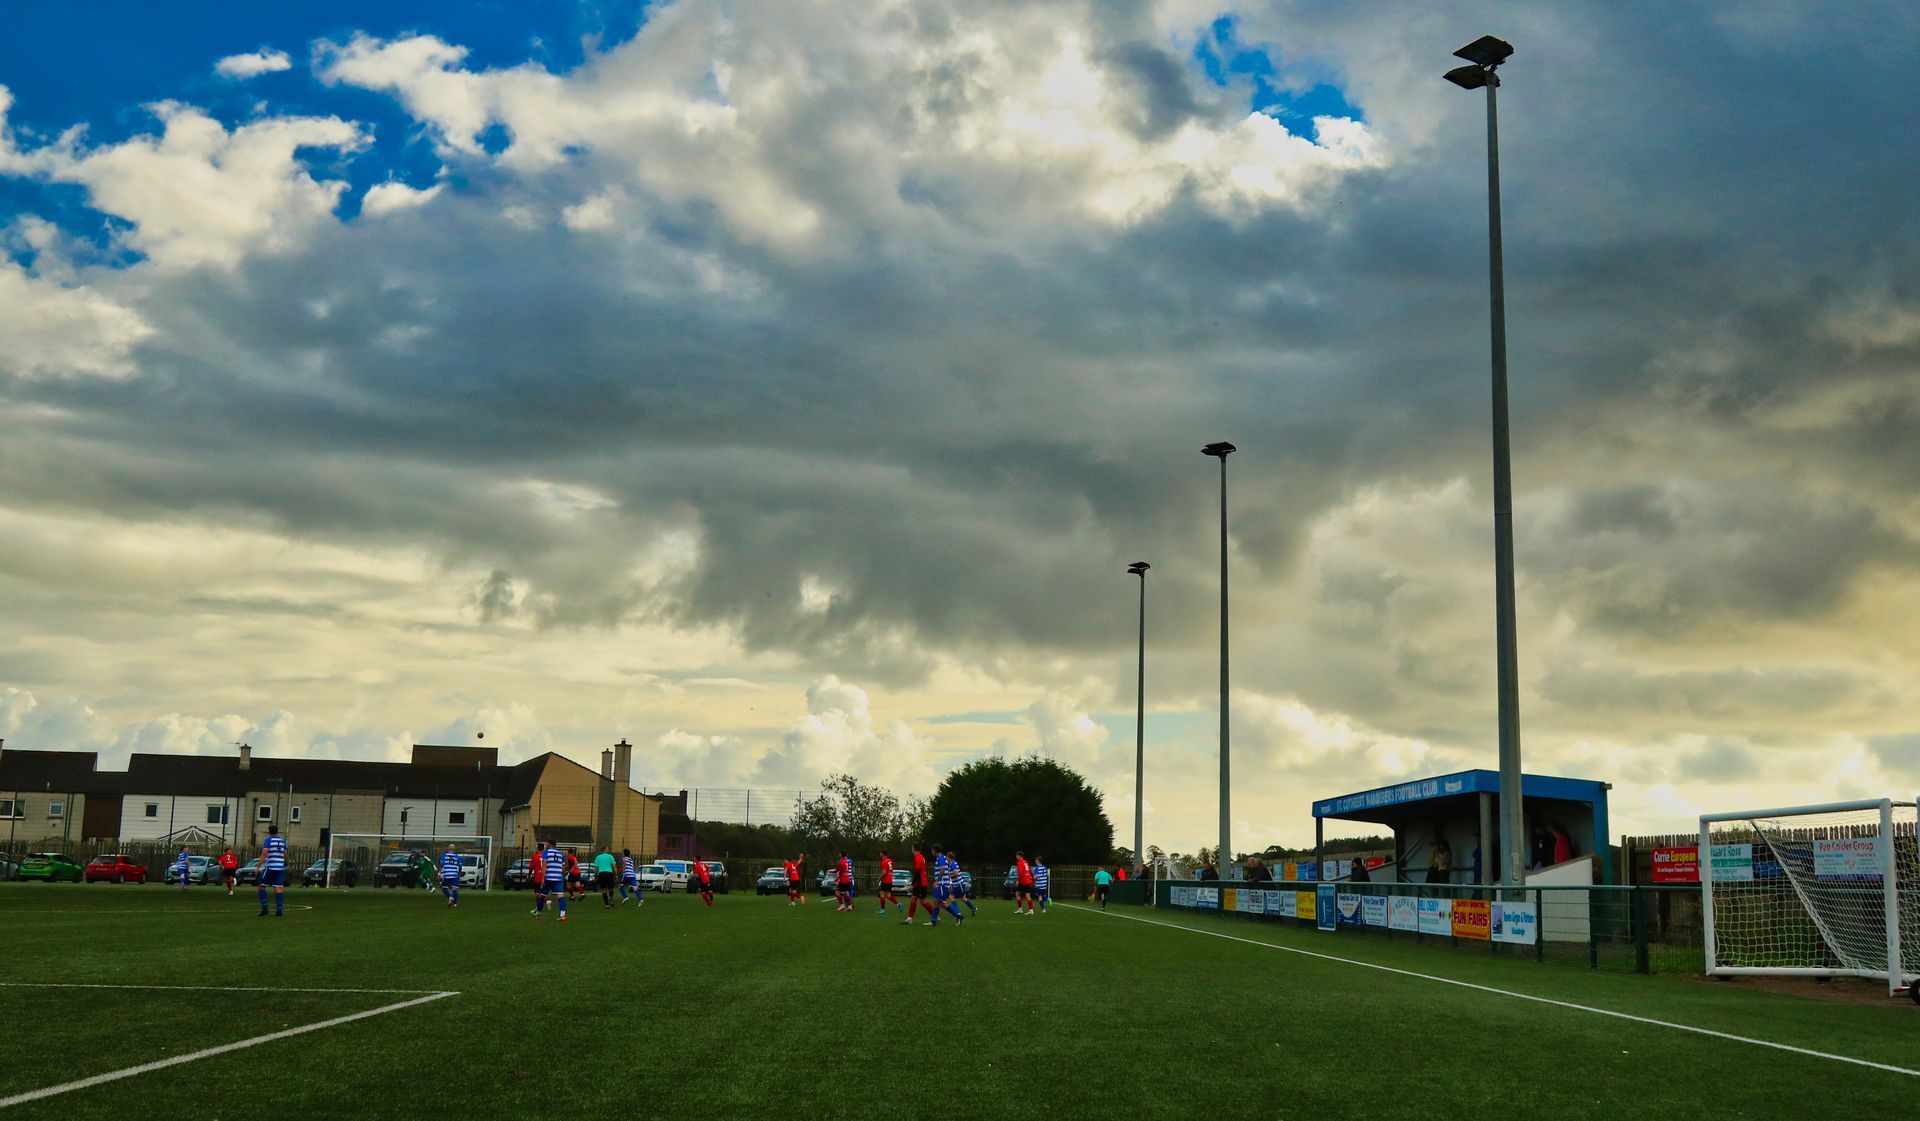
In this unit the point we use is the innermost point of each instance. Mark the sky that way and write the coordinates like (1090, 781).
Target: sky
(785, 386)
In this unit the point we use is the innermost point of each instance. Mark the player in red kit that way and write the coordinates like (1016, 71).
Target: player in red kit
(1022, 884)
(918, 892)
(703, 880)
(886, 882)
(794, 893)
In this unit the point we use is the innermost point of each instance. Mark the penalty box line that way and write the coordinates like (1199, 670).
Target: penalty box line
(223, 1049)
(1729, 1036)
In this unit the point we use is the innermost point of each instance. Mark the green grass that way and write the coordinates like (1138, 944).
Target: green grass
(754, 1009)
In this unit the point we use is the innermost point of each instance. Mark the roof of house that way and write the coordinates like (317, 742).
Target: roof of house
(63, 772)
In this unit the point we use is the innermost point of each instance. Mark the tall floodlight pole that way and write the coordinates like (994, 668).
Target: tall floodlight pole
(1485, 55)
(1224, 856)
(1139, 568)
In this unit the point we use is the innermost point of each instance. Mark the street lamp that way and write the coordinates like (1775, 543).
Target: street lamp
(1221, 858)
(1484, 56)
(1139, 568)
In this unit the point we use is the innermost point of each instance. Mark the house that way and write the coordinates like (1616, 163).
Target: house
(56, 798)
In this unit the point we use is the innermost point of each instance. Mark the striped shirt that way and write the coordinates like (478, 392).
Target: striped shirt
(951, 874)
(626, 868)
(556, 865)
(181, 863)
(449, 865)
(1040, 877)
(846, 869)
(273, 854)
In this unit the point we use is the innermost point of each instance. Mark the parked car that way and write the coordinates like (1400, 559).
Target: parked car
(902, 884)
(519, 874)
(115, 867)
(473, 869)
(658, 877)
(677, 873)
(401, 868)
(773, 881)
(49, 866)
(716, 877)
(200, 870)
(345, 874)
(829, 881)
(8, 869)
(1012, 881)
(248, 873)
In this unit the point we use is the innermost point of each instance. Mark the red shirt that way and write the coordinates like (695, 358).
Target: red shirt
(1025, 871)
(920, 869)
(1122, 873)
(228, 861)
(573, 864)
(886, 870)
(700, 871)
(793, 870)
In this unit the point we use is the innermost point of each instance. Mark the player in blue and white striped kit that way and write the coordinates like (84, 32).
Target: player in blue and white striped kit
(450, 875)
(946, 881)
(629, 878)
(962, 884)
(1041, 878)
(554, 885)
(273, 872)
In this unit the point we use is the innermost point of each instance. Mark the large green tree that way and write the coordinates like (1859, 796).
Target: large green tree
(849, 814)
(992, 808)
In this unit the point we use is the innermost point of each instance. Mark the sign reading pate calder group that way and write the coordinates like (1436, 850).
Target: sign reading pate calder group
(1855, 859)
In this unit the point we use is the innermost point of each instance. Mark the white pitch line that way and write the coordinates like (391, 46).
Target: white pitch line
(225, 1048)
(1891, 1069)
(215, 988)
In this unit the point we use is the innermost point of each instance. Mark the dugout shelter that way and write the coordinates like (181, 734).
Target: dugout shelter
(1461, 809)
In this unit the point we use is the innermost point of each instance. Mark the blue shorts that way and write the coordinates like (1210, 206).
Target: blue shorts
(630, 881)
(276, 877)
(450, 881)
(552, 887)
(942, 893)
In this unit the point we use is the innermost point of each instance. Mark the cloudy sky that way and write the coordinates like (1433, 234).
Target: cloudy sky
(785, 385)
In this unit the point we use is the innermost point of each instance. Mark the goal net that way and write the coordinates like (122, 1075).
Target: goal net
(1816, 891)
(392, 860)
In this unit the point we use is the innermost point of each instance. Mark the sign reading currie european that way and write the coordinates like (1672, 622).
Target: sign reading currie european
(1677, 865)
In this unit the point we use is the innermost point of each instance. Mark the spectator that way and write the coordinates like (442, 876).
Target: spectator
(1440, 864)
(1359, 875)
(1257, 871)
(1478, 865)
(1207, 872)
(1562, 844)
(1542, 847)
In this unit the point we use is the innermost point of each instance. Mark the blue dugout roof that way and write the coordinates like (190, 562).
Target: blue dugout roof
(1379, 804)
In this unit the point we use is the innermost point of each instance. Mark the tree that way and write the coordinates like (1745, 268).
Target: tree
(854, 816)
(992, 808)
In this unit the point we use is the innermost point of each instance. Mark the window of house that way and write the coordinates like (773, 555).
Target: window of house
(456, 817)
(673, 842)
(216, 815)
(153, 809)
(11, 808)
(293, 815)
(56, 808)
(263, 812)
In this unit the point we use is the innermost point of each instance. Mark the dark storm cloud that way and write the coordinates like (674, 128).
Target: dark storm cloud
(963, 426)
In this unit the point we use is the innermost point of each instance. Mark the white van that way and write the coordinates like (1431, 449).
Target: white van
(678, 873)
(473, 869)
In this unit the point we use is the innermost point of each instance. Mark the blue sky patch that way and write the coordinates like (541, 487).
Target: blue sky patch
(1226, 62)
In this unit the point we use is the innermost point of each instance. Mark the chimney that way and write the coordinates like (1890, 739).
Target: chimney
(246, 756)
(623, 762)
(606, 765)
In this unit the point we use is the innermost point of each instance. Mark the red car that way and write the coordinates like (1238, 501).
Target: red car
(117, 867)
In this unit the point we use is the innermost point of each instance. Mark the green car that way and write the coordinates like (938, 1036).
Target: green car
(49, 866)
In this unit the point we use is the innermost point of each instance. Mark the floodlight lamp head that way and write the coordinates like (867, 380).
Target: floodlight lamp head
(1139, 568)
(1468, 77)
(1486, 51)
(1220, 450)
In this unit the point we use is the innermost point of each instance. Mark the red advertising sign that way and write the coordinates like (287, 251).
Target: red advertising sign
(1677, 866)
(1472, 918)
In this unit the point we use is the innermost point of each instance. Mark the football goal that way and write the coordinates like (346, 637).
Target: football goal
(1813, 891)
(393, 859)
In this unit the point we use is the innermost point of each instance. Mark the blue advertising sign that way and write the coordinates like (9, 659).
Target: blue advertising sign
(1326, 908)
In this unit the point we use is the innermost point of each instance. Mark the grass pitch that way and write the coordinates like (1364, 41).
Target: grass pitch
(755, 1009)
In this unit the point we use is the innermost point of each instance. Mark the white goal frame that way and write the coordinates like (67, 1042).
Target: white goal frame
(430, 843)
(1896, 977)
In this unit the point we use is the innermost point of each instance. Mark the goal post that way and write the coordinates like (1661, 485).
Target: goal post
(369, 853)
(1827, 890)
